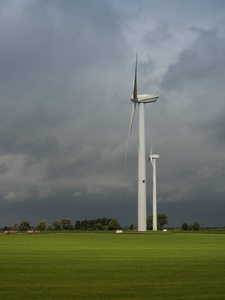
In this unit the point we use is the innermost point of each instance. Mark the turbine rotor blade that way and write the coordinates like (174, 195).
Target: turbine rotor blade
(130, 129)
(150, 154)
(135, 82)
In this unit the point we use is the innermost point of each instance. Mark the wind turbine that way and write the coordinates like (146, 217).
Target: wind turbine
(141, 100)
(153, 158)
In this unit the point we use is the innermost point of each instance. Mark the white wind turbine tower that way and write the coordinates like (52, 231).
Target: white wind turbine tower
(153, 158)
(141, 100)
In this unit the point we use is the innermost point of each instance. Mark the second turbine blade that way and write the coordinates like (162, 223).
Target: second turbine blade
(130, 128)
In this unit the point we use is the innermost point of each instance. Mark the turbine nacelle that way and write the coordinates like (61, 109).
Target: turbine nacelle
(154, 156)
(144, 98)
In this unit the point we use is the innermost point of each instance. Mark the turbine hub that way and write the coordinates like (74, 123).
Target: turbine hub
(133, 100)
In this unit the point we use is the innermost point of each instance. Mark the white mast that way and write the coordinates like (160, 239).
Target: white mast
(141, 100)
(142, 215)
(153, 158)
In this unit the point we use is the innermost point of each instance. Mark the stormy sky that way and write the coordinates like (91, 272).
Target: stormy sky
(66, 77)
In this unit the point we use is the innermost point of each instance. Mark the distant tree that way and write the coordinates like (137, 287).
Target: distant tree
(104, 221)
(77, 225)
(196, 226)
(149, 222)
(16, 227)
(71, 227)
(65, 223)
(25, 225)
(84, 224)
(41, 225)
(49, 227)
(98, 226)
(113, 225)
(162, 220)
(190, 227)
(184, 226)
(56, 225)
(132, 226)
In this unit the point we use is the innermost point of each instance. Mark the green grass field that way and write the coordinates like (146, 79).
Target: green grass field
(156, 265)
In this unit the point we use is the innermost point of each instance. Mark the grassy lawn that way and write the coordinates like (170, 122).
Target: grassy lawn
(156, 265)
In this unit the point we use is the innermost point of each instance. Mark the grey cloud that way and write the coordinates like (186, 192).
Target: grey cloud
(198, 78)
(159, 35)
(56, 61)
(3, 168)
(67, 74)
(192, 102)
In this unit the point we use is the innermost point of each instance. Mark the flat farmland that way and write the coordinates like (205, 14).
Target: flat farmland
(153, 265)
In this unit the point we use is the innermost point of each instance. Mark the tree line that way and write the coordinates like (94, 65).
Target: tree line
(66, 224)
(95, 224)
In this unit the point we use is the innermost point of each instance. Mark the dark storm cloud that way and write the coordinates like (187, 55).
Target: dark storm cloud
(193, 97)
(66, 78)
(48, 54)
(198, 77)
(57, 109)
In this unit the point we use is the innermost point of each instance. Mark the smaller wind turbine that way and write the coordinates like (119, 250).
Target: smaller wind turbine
(152, 158)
